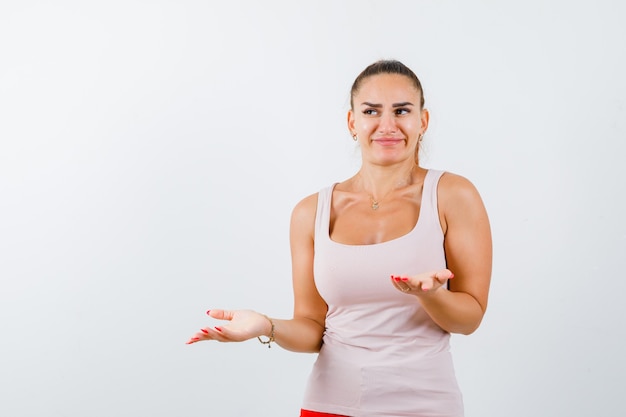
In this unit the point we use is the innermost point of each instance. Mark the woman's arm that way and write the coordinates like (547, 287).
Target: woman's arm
(304, 332)
(468, 249)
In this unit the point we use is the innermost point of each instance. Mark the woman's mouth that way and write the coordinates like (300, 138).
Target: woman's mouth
(388, 141)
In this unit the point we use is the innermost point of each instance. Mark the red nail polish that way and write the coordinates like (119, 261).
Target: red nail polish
(405, 279)
(219, 329)
(204, 331)
(207, 312)
(451, 276)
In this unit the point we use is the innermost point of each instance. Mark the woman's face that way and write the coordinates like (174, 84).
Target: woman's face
(387, 118)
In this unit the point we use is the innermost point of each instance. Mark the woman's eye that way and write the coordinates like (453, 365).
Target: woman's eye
(402, 111)
(370, 112)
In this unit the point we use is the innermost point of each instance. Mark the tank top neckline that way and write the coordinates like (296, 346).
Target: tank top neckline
(423, 198)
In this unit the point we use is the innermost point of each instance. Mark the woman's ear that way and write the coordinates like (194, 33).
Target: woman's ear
(425, 118)
(351, 122)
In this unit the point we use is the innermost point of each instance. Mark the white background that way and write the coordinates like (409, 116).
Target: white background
(152, 151)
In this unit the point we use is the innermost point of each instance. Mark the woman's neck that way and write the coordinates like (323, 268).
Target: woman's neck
(379, 181)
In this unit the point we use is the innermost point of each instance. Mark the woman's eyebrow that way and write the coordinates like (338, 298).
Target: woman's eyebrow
(376, 105)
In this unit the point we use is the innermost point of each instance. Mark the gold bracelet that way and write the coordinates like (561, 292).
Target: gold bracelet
(269, 341)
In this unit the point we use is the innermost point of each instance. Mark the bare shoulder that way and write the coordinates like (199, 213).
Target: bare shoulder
(303, 215)
(456, 189)
(458, 198)
(306, 208)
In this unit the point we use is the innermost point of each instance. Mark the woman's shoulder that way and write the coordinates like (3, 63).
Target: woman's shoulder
(307, 202)
(453, 185)
(458, 196)
(306, 208)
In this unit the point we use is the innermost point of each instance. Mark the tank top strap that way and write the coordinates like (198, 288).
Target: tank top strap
(429, 212)
(322, 215)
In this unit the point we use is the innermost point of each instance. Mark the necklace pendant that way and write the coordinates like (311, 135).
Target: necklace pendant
(374, 205)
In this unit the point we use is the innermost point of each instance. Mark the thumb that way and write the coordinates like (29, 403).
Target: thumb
(443, 275)
(220, 314)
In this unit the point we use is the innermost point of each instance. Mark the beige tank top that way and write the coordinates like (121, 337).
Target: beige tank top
(382, 355)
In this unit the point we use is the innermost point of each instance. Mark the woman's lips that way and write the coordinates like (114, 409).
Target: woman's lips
(388, 141)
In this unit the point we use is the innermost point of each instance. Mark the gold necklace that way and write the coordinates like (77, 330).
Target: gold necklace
(375, 204)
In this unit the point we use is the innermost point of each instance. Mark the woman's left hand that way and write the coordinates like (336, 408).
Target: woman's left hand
(422, 284)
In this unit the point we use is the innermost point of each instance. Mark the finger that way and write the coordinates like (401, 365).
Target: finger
(422, 282)
(192, 340)
(401, 283)
(395, 281)
(438, 279)
(226, 334)
(208, 334)
(205, 333)
(220, 314)
(443, 275)
(412, 283)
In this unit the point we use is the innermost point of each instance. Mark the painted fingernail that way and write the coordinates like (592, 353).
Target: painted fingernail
(396, 278)
(451, 276)
(207, 312)
(404, 279)
(204, 331)
(219, 329)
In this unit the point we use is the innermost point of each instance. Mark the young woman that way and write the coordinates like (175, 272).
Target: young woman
(386, 264)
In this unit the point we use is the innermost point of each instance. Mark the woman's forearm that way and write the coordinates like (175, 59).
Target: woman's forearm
(455, 312)
(298, 334)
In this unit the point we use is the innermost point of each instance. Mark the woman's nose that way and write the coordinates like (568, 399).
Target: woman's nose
(387, 123)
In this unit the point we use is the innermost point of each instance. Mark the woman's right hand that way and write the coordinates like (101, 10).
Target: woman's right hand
(242, 325)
